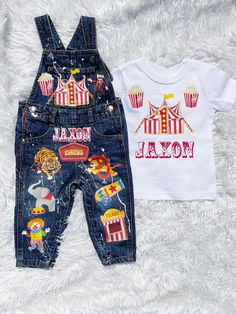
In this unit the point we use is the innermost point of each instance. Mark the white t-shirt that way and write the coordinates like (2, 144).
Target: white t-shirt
(169, 113)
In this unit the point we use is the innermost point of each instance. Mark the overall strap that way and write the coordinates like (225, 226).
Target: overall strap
(47, 33)
(85, 35)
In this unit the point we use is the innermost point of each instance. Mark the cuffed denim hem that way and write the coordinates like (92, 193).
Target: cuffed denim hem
(34, 264)
(119, 259)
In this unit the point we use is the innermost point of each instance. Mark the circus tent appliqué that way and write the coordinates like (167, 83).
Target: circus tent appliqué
(164, 120)
(71, 93)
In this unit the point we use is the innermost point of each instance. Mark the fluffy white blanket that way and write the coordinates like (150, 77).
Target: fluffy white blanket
(186, 250)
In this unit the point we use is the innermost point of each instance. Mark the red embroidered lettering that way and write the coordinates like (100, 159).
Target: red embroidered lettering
(140, 153)
(79, 135)
(56, 136)
(72, 134)
(188, 148)
(176, 150)
(154, 150)
(72, 137)
(151, 150)
(164, 146)
(86, 134)
(63, 137)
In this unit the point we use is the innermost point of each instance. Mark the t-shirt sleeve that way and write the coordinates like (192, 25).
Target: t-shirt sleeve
(221, 89)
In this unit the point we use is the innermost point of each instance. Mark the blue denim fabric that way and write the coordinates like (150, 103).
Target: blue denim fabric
(62, 148)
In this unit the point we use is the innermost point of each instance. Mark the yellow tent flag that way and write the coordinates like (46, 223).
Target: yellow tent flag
(74, 71)
(167, 96)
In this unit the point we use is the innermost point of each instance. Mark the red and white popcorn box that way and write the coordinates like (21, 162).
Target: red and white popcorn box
(191, 97)
(136, 97)
(46, 84)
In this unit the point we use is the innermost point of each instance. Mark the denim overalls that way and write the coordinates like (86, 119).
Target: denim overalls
(71, 133)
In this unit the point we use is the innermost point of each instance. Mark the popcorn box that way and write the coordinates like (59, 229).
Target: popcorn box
(191, 97)
(136, 97)
(46, 84)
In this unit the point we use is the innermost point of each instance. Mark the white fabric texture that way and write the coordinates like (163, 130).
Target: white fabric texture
(169, 114)
(186, 257)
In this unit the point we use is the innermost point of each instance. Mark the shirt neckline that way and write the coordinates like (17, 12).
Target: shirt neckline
(164, 75)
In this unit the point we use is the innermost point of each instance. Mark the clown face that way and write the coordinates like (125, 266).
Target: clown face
(35, 226)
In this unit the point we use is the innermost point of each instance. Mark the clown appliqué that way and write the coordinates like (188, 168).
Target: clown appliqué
(36, 234)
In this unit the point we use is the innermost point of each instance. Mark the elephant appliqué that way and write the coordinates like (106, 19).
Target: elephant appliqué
(43, 196)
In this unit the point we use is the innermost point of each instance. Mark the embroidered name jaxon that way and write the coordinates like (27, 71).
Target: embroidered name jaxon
(72, 134)
(165, 150)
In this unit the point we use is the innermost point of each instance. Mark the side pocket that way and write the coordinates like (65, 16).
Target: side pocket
(36, 129)
(108, 128)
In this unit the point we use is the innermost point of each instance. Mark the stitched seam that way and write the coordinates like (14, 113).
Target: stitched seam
(50, 29)
(91, 224)
(83, 31)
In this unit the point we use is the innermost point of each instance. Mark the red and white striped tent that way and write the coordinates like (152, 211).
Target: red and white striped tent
(114, 225)
(71, 93)
(164, 120)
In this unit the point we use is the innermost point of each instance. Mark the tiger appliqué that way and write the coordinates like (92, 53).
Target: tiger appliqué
(46, 161)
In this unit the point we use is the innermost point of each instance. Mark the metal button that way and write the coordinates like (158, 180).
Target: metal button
(50, 57)
(33, 108)
(110, 108)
